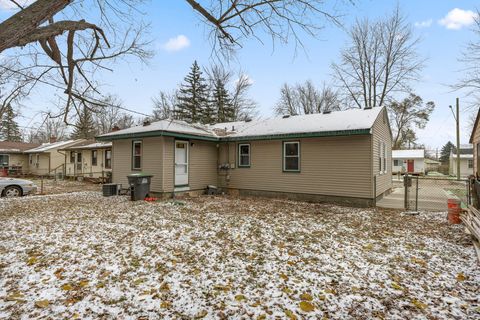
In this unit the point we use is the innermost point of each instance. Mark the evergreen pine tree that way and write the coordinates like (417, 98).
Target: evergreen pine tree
(222, 102)
(9, 129)
(85, 125)
(192, 96)
(445, 152)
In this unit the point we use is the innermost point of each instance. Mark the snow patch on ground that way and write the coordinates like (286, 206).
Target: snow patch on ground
(81, 255)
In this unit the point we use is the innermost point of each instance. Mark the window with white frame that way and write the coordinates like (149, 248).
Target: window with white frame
(72, 157)
(30, 159)
(37, 160)
(470, 164)
(244, 155)
(380, 161)
(108, 159)
(94, 157)
(137, 155)
(384, 157)
(291, 156)
(397, 163)
(4, 160)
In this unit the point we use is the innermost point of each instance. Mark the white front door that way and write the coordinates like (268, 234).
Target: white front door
(181, 163)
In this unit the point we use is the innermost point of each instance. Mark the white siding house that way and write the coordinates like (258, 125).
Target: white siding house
(408, 161)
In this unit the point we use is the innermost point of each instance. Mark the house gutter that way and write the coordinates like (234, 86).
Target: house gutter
(239, 138)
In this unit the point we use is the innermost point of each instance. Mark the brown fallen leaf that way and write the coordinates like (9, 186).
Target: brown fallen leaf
(306, 306)
(66, 287)
(240, 297)
(42, 303)
(290, 315)
(461, 277)
(306, 297)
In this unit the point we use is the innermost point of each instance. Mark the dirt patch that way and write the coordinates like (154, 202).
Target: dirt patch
(51, 186)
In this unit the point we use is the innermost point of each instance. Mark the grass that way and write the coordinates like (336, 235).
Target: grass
(80, 255)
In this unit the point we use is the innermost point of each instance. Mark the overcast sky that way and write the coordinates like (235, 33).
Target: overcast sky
(178, 38)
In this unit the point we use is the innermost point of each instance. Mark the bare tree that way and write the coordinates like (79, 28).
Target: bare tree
(405, 116)
(164, 105)
(67, 54)
(380, 60)
(50, 128)
(471, 60)
(305, 98)
(243, 105)
(69, 62)
(13, 87)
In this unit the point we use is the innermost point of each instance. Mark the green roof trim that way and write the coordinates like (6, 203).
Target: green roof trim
(300, 135)
(352, 132)
(158, 133)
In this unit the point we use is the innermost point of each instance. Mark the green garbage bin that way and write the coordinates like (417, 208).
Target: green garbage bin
(139, 185)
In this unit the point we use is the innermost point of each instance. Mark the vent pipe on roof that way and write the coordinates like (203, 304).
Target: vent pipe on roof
(115, 128)
(285, 116)
(367, 108)
(53, 139)
(233, 128)
(327, 111)
(146, 123)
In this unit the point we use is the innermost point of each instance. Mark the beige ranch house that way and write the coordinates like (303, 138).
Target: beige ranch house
(48, 159)
(88, 159)
(342, 156)
(13, 158)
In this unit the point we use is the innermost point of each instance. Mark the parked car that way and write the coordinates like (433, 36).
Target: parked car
(12, 187)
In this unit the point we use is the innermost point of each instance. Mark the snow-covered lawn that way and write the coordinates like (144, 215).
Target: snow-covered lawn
(80, 255)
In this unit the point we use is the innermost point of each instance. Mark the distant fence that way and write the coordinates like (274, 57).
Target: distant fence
(432, 193)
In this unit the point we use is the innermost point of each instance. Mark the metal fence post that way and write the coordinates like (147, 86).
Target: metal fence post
(405, 184)
(416, 197)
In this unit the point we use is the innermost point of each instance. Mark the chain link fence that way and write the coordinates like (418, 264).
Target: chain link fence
(432, 193)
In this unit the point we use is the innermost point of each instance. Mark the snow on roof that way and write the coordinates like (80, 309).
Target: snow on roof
(410, 154)
(98, 145)
(48, 146)
(165, 125)
(16, 147)
(352, 119)
(462, 156)
(88, 144)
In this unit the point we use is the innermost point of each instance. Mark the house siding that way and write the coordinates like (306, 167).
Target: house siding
(335, 166)
(476, 155)
(202, 159)
(87, 169)
(465, 171)
(381, 133)
(16, 159)
(152, 154)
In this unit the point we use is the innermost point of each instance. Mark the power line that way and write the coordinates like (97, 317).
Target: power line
(62, 88)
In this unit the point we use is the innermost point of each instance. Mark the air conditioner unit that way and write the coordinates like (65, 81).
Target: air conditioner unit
(111, 189)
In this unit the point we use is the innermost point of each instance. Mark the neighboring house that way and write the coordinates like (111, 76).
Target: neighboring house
(89, 159)
(342, 156)
(12, 157)
(466, 161)
(432, 165)
(475, 141)
(48, 159)
(409, 161)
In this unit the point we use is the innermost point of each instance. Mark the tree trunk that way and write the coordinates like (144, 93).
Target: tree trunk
(26, 21)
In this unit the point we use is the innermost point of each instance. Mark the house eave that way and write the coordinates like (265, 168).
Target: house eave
(337, 133)
(320, 134)
(158, 133)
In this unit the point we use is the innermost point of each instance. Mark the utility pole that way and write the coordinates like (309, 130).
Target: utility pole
(458, 139)
(456, 115)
